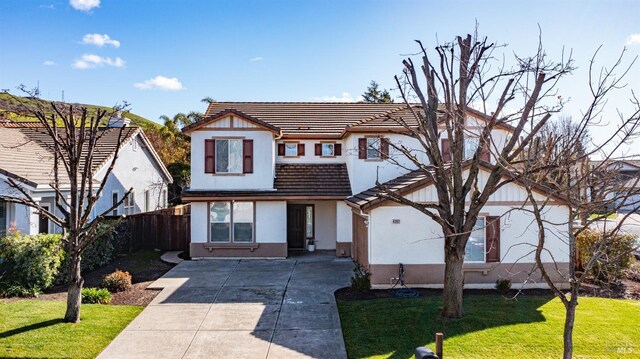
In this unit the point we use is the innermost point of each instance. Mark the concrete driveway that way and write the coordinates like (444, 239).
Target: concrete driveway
(241, 309)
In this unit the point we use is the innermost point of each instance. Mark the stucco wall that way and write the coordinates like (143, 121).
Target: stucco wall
(343, 222)
(263, 162)
(418, 240)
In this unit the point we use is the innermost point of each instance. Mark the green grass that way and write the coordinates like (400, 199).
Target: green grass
(530, 327)
(34, 329)
(8, 104)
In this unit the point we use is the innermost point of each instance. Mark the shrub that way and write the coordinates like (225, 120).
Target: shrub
(361, 279)
(28, 264)
(96, 296)
(616, 258)
(100, 252)
(633, 272)
(117, 281)
(503, 286)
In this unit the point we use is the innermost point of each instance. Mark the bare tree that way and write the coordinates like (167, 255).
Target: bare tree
(594, 189)
(74, 135)
(466, 75)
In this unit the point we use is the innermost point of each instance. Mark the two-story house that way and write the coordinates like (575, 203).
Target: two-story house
(26, 157)
(266, 178)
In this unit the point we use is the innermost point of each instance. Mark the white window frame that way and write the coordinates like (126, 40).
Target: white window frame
(333, 149)
(116, 210)
(371, 141)
(130, 204)
(147, 200)
(293, 151)
(229, 157)
(232, 222)
(483, 229)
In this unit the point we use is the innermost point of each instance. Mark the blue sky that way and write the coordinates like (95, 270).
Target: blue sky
(279, 50)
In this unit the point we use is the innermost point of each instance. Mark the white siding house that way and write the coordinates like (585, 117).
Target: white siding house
(272, 178)
(26, 158)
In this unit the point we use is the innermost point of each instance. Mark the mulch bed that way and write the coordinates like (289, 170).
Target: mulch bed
(144, 269)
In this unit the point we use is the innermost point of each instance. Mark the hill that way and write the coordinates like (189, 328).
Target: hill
(10, 109)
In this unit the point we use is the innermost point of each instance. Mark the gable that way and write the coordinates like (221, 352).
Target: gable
(231, 123)
(233, 120)
(513, 193)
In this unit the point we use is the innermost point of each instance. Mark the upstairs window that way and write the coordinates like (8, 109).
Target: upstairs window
(114, 201)
(470, 147)
(373, 148)
(229, 156)
(328, 149)
(291, 149)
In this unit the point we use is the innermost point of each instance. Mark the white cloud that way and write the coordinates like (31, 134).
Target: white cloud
(160, 82)
(633, 39)
(49, 63)
(90, 61)
(344, 97)
(100, 40)
(49, 6)
(259, 58)
(84, 5)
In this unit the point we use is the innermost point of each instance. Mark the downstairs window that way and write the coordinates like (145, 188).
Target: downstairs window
(231, 222)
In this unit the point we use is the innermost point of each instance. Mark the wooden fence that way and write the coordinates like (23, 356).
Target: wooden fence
(166, 229)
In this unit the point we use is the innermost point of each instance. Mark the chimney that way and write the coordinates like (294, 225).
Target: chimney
(118, 120)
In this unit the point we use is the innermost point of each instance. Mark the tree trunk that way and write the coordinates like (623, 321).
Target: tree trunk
(569, 319)
(74, 290)
(453, 285)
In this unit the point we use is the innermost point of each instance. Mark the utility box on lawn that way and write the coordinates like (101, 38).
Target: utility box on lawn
(425, 353)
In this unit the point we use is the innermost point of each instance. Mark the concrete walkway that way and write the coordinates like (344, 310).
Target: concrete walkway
(241, 309)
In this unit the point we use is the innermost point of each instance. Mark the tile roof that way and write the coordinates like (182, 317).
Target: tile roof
(330, 119)
(26, 152)
(307, 118)
(295, 180)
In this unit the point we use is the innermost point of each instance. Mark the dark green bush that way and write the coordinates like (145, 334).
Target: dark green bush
(361, 279)
(117, 281)
(611, 264)
(503, 285)
(28, 264)
(98, 253)
(96, 296)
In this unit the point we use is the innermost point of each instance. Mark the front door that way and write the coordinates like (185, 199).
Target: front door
(296, 226)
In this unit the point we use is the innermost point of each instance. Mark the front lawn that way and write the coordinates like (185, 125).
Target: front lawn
(34, 329)
(530, 327)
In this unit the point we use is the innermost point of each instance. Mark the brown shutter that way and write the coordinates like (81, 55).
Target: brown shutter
(384, 148)
(280, 149)
(493, 239)
(485, 155)
(300, 149)
(247, 156)
(362, 148)
(209, 156)
(446, 150)
(318, 149)
(337, 149)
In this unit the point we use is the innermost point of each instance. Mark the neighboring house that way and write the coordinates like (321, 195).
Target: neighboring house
(27, 158)
(626, 182)
(268, 177)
